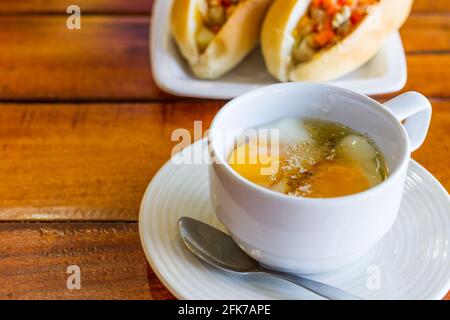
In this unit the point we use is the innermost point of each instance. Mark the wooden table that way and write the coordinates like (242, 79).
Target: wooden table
(83, 129)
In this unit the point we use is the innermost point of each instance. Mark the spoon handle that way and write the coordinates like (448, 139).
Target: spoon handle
(319, 288)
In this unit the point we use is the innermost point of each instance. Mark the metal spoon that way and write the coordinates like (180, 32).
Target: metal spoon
(218, 249)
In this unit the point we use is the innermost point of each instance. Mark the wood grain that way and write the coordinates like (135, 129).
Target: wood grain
(94, 161)
(429, 74)
(34, 258)
(85, 161)
(86, 6)
(427, 33)
(143, 6)
(108, 60)
(431, 6)
(434, 154)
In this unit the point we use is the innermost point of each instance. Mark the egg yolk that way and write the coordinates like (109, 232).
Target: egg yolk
(254, 163)
(336, 180)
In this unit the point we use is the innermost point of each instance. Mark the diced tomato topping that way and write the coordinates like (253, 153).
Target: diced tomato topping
(328, 25)
(331, 7)
(324, 37)
(329, 3)
(317, 3)
(356, 17)
(331, 11)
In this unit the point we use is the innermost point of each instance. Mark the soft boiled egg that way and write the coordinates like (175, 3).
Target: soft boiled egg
(291, 131)
(359, 149)
(254, 162)
(334, 179)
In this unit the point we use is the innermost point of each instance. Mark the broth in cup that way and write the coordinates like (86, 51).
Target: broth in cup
(312, 158)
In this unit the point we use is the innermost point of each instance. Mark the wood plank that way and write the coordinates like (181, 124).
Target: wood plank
(434, 154)
(429, 74)
(34, 258)
(431, 6)
(426, 33)
(144, 6)
(108, 59)
(88, 161)
(86, 6)
(94, 161)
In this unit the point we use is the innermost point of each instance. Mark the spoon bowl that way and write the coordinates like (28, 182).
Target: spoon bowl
(219, 250)
(215, 247)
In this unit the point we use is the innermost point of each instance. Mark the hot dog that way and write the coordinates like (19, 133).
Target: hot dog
(321, 40)
(215, 35)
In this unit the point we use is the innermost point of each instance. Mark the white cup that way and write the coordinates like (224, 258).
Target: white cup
(306, 235)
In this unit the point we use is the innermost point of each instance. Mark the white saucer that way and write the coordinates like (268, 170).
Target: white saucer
(385, 73)
(411, 262)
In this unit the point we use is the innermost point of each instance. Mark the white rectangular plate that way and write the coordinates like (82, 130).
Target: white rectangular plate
(385, 73)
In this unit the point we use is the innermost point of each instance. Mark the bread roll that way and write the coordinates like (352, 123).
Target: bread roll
(212, 53)
(344, 54)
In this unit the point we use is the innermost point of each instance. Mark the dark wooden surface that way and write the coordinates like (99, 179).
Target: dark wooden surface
(34, 258)
(83, 128)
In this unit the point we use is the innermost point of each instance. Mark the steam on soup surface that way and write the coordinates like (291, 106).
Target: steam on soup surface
(314, 159)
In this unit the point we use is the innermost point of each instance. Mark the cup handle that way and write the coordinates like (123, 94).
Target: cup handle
(415, 110)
